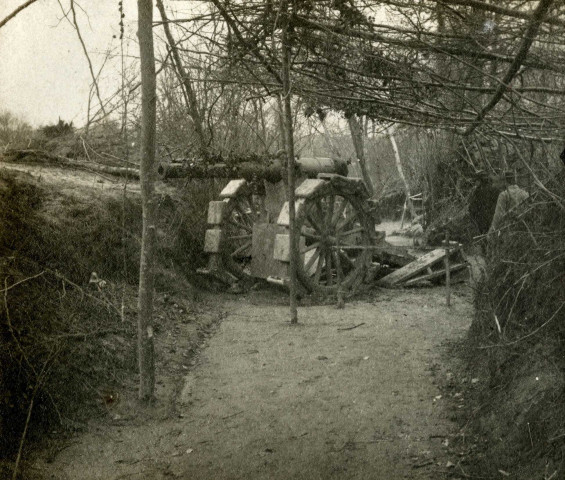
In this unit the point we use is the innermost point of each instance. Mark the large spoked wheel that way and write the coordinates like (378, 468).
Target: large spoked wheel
(333, 229)
(242, 212)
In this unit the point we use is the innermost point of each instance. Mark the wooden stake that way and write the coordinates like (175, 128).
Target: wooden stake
(447, 272)
(340, 300)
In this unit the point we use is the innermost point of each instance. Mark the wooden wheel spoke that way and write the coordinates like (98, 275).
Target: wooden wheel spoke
(241, 249)
(339, 213)
(311, 261)
(307, 233)
(345, 258)
(329, 277)
(254, 207)
(239, 237)
(348, 221)
(242, 226)
(319, 267)
(310, 247)
(313, 222)
(244, 215)
(319, 211)
(352, 231)
(329, 212)
(338, 267)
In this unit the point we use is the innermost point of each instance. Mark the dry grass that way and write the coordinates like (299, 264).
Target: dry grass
(517, 341)
(65, 342)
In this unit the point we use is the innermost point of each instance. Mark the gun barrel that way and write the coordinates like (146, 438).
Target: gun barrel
(271, 171)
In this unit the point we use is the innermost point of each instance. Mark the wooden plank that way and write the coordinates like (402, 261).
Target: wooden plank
(435, 275)
(216, 209)
(309, 187)
(233, 188)
(212, 240)
(281, 250)
(284, 219)
(263, 264)
(275, 196)
(412, 269)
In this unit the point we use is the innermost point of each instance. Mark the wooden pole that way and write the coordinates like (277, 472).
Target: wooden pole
(148, 173)
(340, 299)
(289, 147)
(447, 272)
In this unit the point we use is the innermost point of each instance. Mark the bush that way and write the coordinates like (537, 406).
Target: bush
(63, 340)
(14, 132)
(518, 336)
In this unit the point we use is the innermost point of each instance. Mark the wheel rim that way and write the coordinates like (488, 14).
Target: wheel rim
(332, 229)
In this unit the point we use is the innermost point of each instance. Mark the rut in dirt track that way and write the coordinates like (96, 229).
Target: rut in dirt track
(267, 400)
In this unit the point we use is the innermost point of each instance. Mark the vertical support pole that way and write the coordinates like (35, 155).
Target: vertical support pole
(340, 299)
(289, 144)
(447, 272)
(147, 173)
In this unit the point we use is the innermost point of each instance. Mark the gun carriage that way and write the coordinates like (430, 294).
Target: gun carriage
(248, 231)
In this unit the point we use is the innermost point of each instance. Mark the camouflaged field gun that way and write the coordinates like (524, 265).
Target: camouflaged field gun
(249, 235)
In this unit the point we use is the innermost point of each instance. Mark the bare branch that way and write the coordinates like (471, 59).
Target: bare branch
(490, 7)
(92, 74)
(529, 37)
(191, 100)
(15, 12)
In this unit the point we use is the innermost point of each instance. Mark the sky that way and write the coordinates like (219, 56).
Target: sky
(44, 73)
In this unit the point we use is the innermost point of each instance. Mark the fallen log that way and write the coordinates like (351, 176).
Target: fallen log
(44, 157)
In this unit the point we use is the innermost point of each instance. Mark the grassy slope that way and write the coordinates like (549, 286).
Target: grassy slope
(70, 344)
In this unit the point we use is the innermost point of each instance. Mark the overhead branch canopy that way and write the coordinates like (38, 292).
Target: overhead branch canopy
(453, 64)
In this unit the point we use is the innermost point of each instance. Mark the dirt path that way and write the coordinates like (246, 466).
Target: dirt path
(266, 400)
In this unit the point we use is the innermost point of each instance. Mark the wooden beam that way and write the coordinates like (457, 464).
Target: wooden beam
(412, 269)
(435, 275)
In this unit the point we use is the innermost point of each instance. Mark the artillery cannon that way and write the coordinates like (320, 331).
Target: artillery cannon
(249, 234)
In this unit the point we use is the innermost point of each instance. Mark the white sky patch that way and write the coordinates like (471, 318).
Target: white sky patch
(43, 72)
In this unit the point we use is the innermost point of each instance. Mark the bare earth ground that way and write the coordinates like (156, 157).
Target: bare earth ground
(267, 400)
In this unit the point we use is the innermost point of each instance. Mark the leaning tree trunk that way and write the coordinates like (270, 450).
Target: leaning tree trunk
(146, 352)
(356, 130)
(390, 134)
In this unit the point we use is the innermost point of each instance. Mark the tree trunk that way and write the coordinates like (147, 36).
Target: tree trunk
(390, 134)
(181, 72)
(145, 346)
(357, 137)
(289, 147)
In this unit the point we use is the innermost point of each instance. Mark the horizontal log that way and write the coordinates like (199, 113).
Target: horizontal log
(41, 156)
